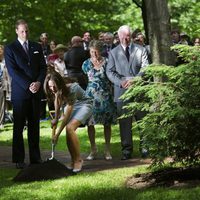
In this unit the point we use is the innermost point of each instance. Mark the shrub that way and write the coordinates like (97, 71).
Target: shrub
(171, 127)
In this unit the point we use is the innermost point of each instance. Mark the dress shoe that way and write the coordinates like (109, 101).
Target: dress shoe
(107, 156)
(92, 155)
(144, 153)
(40, 161)
(78, 166)
(126, 156)
(70, 166)
(20, 165)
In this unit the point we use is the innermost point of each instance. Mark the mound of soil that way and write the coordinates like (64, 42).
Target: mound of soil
(50, 169)
(170, 177)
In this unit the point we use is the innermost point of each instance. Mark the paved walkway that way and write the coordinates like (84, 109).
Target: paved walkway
(94, 165)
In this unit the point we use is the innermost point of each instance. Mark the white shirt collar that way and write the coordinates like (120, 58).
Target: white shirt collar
(125, 47)
(22, 42)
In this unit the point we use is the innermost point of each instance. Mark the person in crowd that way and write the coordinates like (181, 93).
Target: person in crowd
(86, 40)
(78, 109)
(2, 98)
(27, 68)
(134, 35)
(100, 90)
(6, 88)
(108, 44)
(74, 59)
(196, 41)
(141, 40)
(101, 36)
(184, 39)
(45, 45)
(52, 45)
(116, 38)
(46, 52)
(59, 63)
(125, 62)
(175, 36)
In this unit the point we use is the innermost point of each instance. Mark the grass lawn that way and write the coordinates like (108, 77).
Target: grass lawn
(105, 185)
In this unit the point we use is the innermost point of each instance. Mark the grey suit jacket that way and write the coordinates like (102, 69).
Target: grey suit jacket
(119, 67)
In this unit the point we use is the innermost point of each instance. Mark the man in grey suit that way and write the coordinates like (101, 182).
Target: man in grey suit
(125, 62)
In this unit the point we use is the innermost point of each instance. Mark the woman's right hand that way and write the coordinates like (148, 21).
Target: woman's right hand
(54, 122)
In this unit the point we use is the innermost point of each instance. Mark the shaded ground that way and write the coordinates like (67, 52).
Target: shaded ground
(171, 177)
(179, 177)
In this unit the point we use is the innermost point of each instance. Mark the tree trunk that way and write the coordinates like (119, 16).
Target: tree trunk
(158, 25)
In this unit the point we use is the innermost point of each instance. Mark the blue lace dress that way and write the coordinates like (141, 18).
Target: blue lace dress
(100, 90)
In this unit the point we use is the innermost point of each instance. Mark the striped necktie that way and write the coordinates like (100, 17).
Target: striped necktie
(25, 46)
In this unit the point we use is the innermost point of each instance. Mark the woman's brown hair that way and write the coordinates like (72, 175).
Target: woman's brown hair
(63, 90)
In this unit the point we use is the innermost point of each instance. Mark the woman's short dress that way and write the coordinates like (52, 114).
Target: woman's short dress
(100, 90)
(82, 104)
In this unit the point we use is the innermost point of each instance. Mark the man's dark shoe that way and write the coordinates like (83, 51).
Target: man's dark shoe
(37, 161)
(126, 156)
(20, 165)
(144, 153)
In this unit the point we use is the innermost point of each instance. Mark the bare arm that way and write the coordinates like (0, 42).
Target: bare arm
(64, 122)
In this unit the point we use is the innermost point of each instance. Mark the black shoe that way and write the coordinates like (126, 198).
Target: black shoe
(126, 156)
(37, 161)
(20, 165)
(144, 153)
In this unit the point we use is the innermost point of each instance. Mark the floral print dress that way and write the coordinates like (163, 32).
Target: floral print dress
(100, 90)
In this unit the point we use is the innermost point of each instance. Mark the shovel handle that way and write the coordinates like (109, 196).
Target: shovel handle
(53, 130)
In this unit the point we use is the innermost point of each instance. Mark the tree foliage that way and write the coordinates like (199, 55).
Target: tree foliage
(63, 19)
(185, 15)
(172, 124)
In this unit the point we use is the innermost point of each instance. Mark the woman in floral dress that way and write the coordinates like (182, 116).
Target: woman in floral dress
(99, 88)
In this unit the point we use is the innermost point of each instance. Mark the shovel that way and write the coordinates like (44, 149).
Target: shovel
(52, 151)
(53, 144)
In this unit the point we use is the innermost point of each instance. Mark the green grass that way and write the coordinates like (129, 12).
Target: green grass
(105, 185)
(45, 139)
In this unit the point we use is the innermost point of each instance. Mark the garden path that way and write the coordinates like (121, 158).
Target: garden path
(95, 165)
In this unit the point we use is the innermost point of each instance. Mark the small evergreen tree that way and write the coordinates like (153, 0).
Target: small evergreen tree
(171, 127)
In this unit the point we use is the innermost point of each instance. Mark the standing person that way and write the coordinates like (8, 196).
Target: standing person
(2, 99)
(74, 59)
(99, 89)
(52, 45)
(108, 44)
(125, 62)
(78, 108)
(59, 63)
(46, 51)
(45, 45)
(27, 68)
(86, 40)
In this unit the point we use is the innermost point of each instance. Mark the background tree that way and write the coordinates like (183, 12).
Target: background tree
(63, 19)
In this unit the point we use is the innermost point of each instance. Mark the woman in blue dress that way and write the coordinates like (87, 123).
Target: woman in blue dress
(78, 109)
(100, 90)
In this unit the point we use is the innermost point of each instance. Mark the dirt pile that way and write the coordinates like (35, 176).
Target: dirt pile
(48, 170)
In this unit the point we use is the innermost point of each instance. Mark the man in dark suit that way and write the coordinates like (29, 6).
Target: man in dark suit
(125, 62)
(27, 68)
(74, 59)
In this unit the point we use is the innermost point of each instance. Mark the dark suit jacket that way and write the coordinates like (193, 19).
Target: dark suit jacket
(74, 59)
(24, 69)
